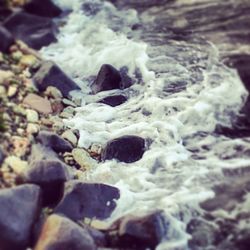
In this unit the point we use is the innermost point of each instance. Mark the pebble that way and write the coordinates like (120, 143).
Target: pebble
(12, 90)
(2, 91)
(83, 159)
(28, 60)
(4, 75)
(53, 92)
(21, 145)
(17, 55)
(68, 102)
(70, 136)
(19, 166)
(32, 128)
(32, 116)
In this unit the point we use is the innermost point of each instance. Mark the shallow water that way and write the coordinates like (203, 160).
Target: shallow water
(182, 91)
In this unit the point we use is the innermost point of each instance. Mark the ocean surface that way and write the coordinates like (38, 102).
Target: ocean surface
(182, 93)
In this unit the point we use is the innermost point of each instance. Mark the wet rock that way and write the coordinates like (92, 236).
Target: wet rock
(139, 232)
(114, 100)
(125, 149)
(38, 103)
(61, 233)
(50, 74)
(19, 208)
(88, 200)
(45, 8)
(54, 141)
(6, 39)
(34, 30)
(108, 78)
(50, 175)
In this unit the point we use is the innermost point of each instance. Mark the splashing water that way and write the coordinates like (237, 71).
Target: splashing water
(182, 92)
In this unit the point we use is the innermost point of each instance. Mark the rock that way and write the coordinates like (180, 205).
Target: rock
(53, 92)
(50, 175)
(5, 75)
(50, 74)
(32, 115)
(108, 78)
(2, 156)
(114, 100)
(70, 136)
(2, 91)
(6, 39)
(83, 159)
(34, 30)
(19, 166)
(54, 141)
(19, 208)
(28, 60)
(32, 128)
(20, 145)
(12, 90)
(67, 102)
(40, 152)
(61, 233)
(139, 232)
(4, 12)
(87, 200)
(38, 103)
(125, 149)
(45, 8)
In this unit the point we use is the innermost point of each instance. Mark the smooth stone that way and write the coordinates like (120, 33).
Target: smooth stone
(108, 78)
(12, 91)
(61, 233)
(32, 115)
(114, 100)
(144, 232)
(54, 92)
(70, 136)
(32, 128)
(28, 60)
(38, 103)
(19, 208)
(125, 149)
(50, 175)
(19, 166)
(88, 200)
(83, 158)
(34, 30)
(6, 39)
(54, 141)
(45, 8)
(49, 74)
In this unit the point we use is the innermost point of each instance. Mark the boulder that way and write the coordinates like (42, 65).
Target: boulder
(4, 12)
(125, 149)
(61, 233)
(6, 39)
(114, 100)
(50, 74)
(50, 176)
(90, 200)
(144, 232)
(19, 208)
(34, 30)
(45, 8)
(54, 141)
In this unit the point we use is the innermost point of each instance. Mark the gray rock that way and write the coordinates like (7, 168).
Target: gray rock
(50, 74)
(125, 149)
(19, 208)
(50, 176)
(6, 39)
(87, 200)
(1, 156)
(54, 141)
(61, 233)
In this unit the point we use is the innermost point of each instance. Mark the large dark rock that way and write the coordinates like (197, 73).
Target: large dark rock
(45, 8)
(61, 233)
(50, 176)
(34, 30)
(114, 100)
(125, 149)
(54, 141)
(90, 200)
(6, 39)
(19, 209)
(50, 74)
(132, 232)
(4, 13)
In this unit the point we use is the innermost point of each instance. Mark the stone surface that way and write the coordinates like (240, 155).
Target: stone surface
(19, 166)
(19, 208)
(38, 103)
(50, 74)
(32, 115)
(45, 8)
(114, 100)
(88, 200)
(12, 91)
(61, 233)
(50, 175)
(6, 39)
(53, 92)
(34, 30)
(83, 158)
(40, 152)
(54, 141)
(70, 136)
(125, 149)
(108, 78)
(139, 232)
(2, 155)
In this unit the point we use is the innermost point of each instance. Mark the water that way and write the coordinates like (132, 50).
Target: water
(182, 91)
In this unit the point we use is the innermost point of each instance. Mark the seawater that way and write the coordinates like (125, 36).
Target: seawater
(181, 92)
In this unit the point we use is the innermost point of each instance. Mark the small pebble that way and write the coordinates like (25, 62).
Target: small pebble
(32, 128)
(12, 90)
(53, 92)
